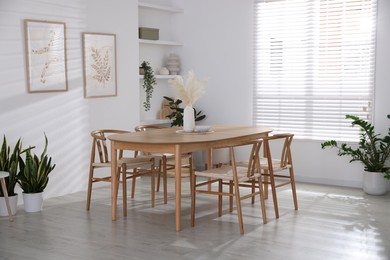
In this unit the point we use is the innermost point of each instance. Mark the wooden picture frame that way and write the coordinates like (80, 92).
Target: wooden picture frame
(45, 56)
(99, 57)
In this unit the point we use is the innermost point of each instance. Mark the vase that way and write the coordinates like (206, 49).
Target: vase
(374, 183)
(13, 201)
(188, 119)
(33, 202)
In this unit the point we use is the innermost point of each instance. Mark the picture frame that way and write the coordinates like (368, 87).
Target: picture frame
(99, 58)
(46, 64)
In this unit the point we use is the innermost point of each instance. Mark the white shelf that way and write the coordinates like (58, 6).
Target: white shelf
(160, 76)
(164, 8)
(160, 42)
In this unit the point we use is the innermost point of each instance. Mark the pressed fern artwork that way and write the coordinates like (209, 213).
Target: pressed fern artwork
(99, 65)
(46, 56)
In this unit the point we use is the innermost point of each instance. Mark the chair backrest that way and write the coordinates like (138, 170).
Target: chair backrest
(284, 148)
(99, 142)
(253, 162)
(141, 128)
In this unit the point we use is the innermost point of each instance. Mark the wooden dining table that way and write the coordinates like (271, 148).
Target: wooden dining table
(177, 142)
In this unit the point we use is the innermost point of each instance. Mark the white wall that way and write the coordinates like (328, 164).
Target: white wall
(217, 38)
(218, 44)
(67, 118)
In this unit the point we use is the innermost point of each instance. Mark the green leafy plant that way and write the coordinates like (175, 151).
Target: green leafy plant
(9, 162)
(34, 172)
(372, 151)
(177, 112)
(148, 84)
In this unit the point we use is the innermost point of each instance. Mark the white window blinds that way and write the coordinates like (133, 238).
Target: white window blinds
(314, 63)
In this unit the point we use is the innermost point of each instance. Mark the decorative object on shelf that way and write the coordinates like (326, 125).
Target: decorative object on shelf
(173, 64)
(148, 33)
(34, 177)
(176, 114)
(166, 110)
(373, 151)
(99, 51)
(148, 84)
(46, 56)
(9, 162)
(164, 71)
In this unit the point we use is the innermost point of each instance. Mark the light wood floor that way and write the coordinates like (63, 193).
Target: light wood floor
(331, 223)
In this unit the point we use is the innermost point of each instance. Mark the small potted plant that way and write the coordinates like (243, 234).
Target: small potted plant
(176, 116)
(34, 177)
(372, 151)
(9, 162)
(149, 80)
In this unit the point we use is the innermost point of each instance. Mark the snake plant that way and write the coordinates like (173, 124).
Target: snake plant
(9, 162)
(34, 172)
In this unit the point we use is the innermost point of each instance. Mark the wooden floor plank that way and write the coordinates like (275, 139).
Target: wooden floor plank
(331, 223)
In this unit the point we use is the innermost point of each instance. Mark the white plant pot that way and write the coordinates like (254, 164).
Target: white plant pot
(374, 183)
(13, 201)
(33, 202)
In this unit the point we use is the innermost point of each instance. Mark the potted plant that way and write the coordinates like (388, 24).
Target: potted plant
(9, 162)
(177, 112)
(34, 177)
(372, 151)
(148, 84)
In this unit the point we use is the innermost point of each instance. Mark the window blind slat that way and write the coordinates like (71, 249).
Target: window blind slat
(314, 63)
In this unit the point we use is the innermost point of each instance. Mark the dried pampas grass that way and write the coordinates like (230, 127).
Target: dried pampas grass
(191, 91)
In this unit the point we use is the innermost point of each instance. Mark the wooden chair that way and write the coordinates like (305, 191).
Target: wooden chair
(166, 161)
(234, 176)
(4, 175)
(281, 145)
(130, 167)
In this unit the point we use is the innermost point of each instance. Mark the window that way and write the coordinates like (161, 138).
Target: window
(314, 63)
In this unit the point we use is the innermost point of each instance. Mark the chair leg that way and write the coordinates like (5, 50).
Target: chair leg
(89, 192)
(220, 198)
(158, 175)
(164, 172)
(238, 204)
(152, 182)
(253, 190)
(124, 187)
(294, 192)
(6, 199)
(193, 198)
(133, 180)
(230, 197)
(274, 196)
(262, 201)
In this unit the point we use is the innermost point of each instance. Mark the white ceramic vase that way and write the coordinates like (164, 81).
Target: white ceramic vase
(188, 119)
(13, 201)
(374, 183)
(33, 202)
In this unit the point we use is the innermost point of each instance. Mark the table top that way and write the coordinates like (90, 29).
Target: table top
(171, 136)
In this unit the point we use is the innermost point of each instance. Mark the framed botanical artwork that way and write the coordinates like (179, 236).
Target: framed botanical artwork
(99, 51)
(45, 56)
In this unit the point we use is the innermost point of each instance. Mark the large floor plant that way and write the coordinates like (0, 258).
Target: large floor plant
(372, 150)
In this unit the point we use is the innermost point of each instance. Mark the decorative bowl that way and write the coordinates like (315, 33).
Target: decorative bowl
(202, 128)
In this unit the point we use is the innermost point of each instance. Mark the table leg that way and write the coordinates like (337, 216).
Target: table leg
(178, 186)
(114, 180)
